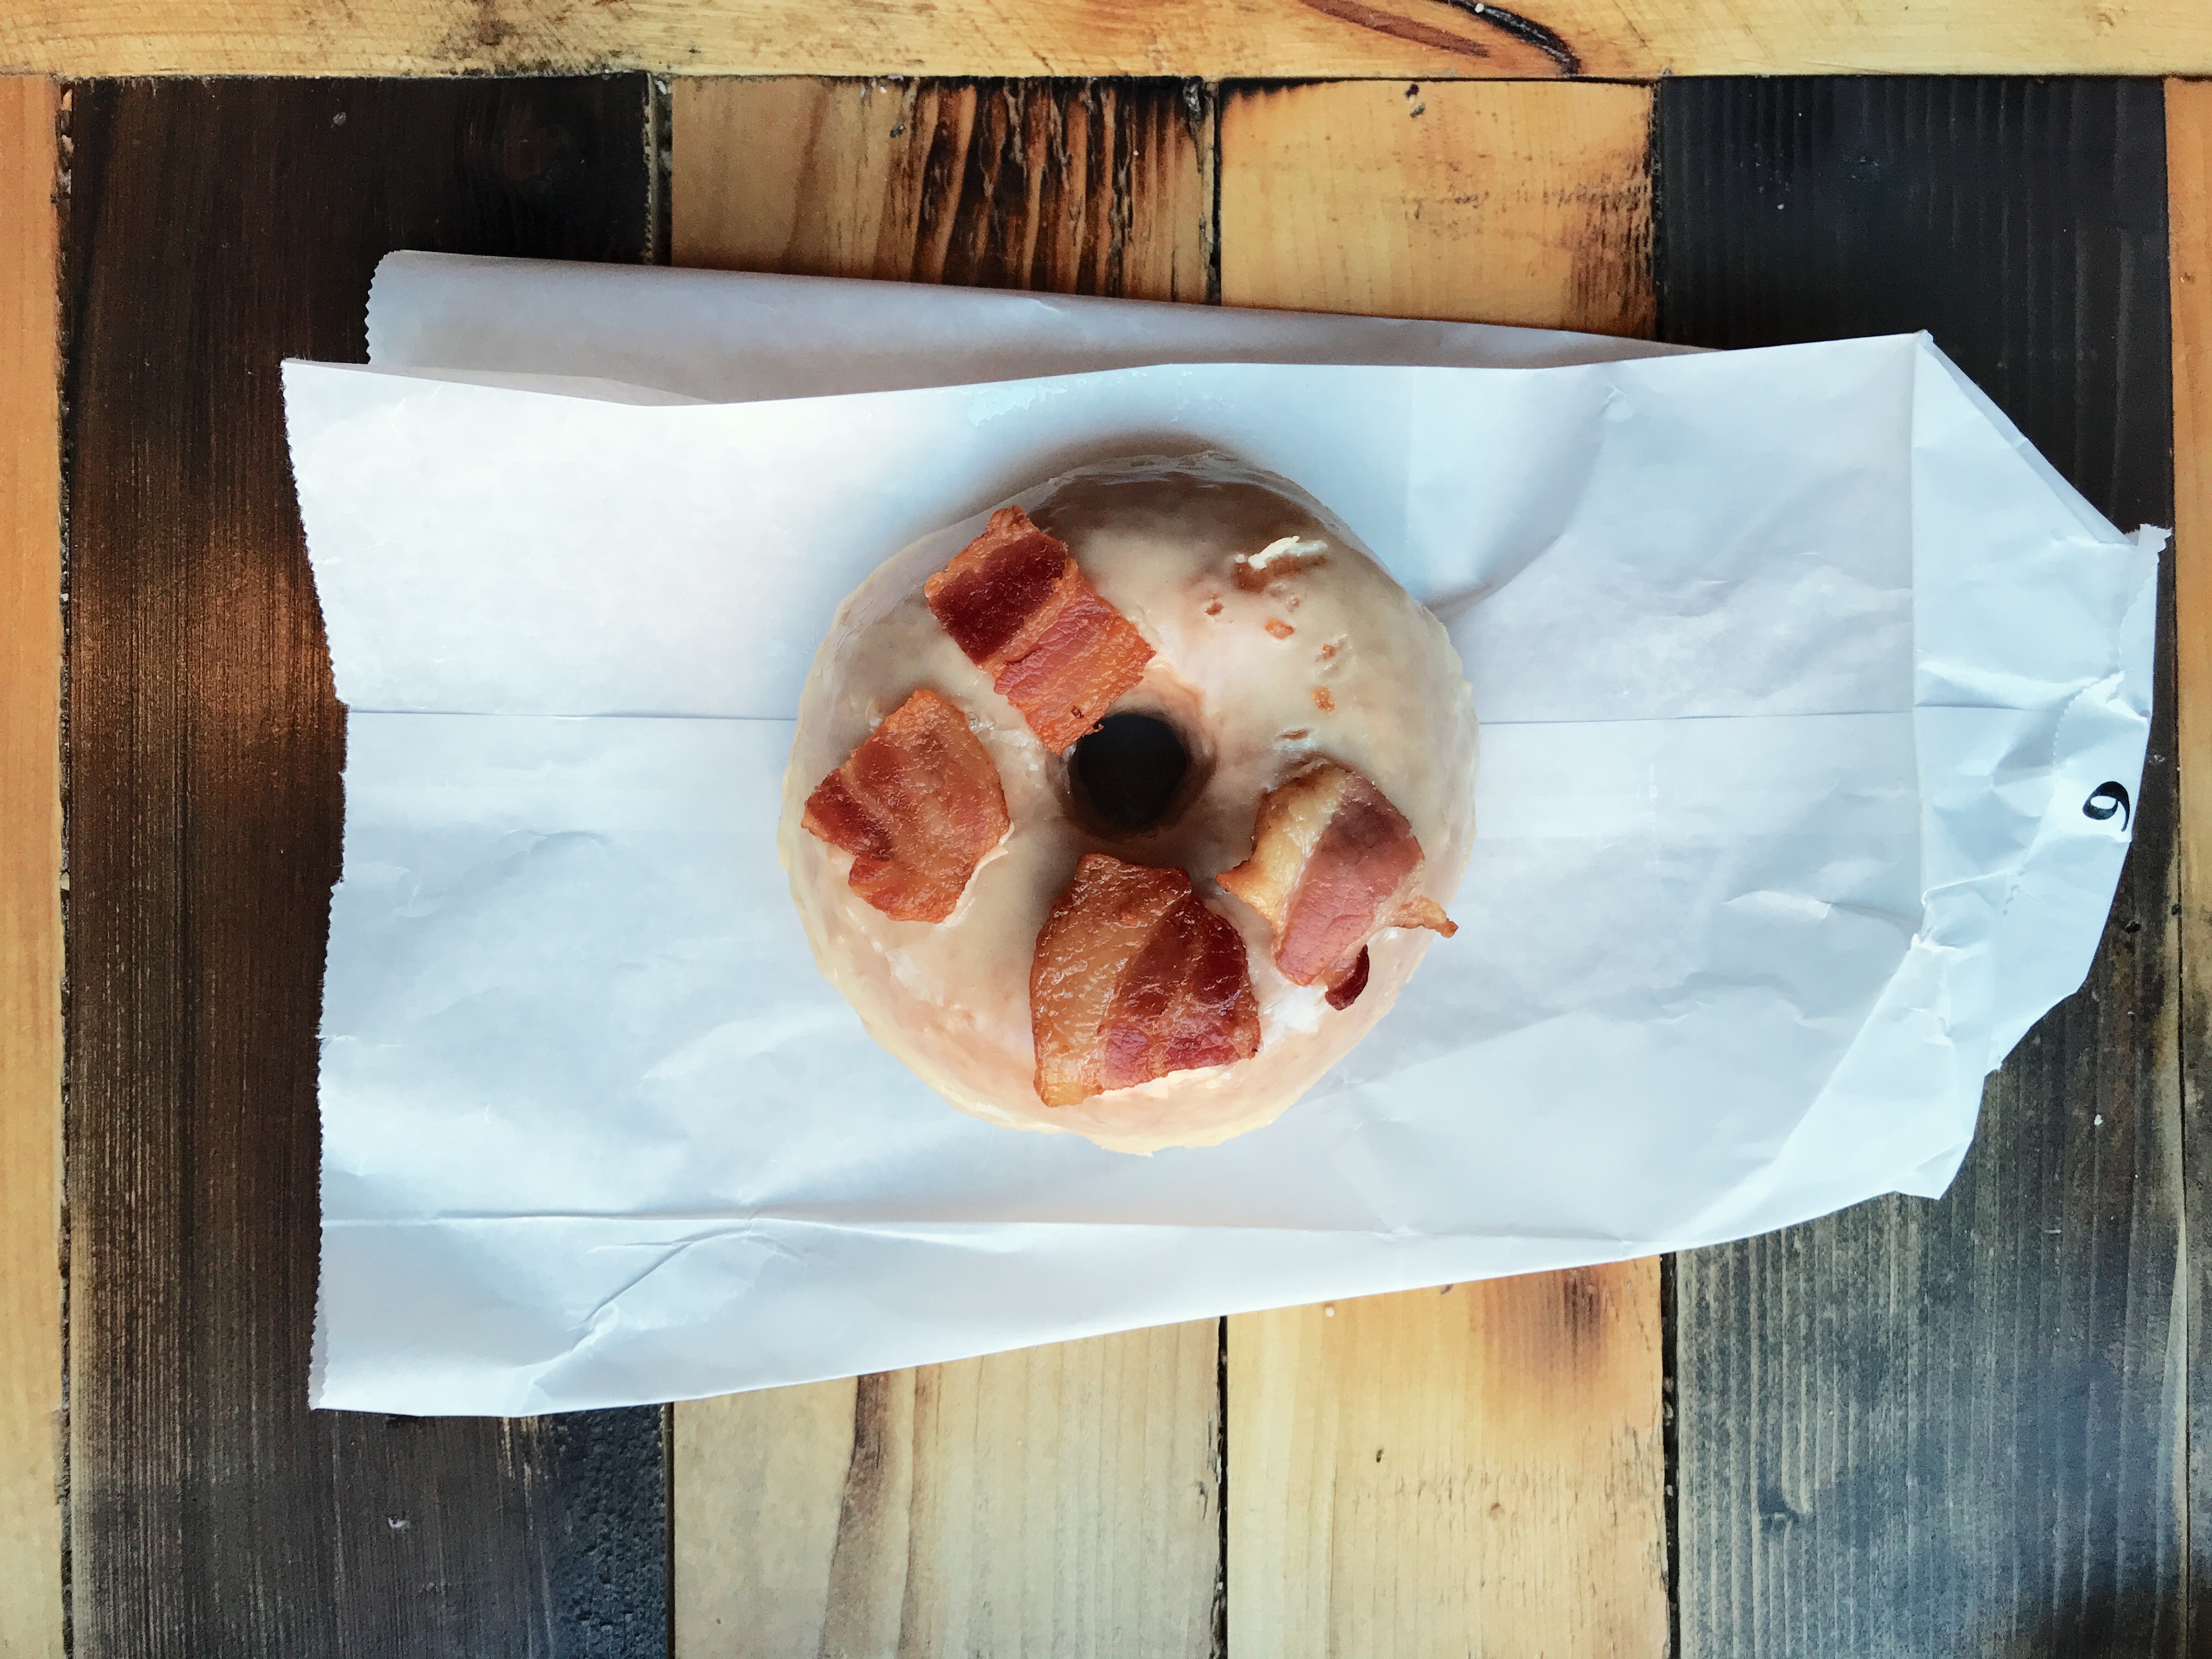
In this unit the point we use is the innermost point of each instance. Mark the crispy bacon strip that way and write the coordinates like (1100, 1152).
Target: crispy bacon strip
(1015, 601)
(1134, 977)
(917, 804)
(1331, 863)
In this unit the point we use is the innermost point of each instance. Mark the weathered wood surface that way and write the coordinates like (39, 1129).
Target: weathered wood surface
(30, 870)
(1479, 1472)
(1913, 1428)
(1957, 1427)
(212, 230)
(1473, 1471)
(1626, 39)
(2189, 194)
(1520, 202)
(1057, 1500)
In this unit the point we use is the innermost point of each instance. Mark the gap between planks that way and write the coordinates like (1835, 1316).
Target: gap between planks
(1623, 40)
(30, 869)
(1036, 1502)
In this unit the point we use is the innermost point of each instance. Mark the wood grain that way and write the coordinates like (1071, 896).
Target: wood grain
(1957, 1426)
(30, 869)
(1627, 39)
(2188, 195)
(1470, 1472)
(1521, 202)
(214, 230)
(1058, 1500)
(1482, 1471)
(1071, 187)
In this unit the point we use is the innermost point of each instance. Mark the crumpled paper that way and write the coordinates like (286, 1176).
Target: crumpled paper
(1810, 695)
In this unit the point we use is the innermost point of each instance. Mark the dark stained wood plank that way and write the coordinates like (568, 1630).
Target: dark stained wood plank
(1957, 1427)
(2189, 197)
(214, 229)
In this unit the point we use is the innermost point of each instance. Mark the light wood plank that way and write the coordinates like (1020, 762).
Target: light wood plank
(1056, 1500)
(1100, 189)
(1499, 204)
(30, 870)
(1617, 39)
(1476, 1470)
(1481, 1471)
(2189, 243)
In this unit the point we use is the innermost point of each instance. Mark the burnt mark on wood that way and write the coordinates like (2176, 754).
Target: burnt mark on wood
(492, 30)
(1610, 284)
(871, 1568)
(1398, 27)
(875, 1426)
(1582, 1305)
(1047, 185)
(1525, 30)
(479, 40)
(1035, 206)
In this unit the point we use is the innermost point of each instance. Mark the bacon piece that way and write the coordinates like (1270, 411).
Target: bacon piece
(1015, 601)
(1345, 989)
(1135, 977)
(1333, 862)
(917, 804)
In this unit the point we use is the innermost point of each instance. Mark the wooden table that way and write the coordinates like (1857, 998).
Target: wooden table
(1914, 1428)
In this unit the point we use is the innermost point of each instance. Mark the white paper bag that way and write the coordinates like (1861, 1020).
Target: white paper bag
(1799, 674)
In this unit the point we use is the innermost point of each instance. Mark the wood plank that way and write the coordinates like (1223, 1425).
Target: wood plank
(1071, 188)
(1957, 1426)
(1057, 1500)
(30, 869)
(2188, 195)
(214, 230)
(1062, 1499)
(1482, 1471)
(1215, 39)
(1517, 203)
(1473, 1471)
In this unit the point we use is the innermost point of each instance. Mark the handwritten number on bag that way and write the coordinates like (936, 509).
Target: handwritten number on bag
(2107, 798)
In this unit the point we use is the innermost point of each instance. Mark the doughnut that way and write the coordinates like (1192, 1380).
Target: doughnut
(1129, 811)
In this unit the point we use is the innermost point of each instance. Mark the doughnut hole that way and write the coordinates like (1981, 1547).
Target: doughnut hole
(1130, 768)
(1133, 776)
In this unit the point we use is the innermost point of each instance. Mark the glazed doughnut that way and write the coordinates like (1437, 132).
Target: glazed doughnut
(1130, 814)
